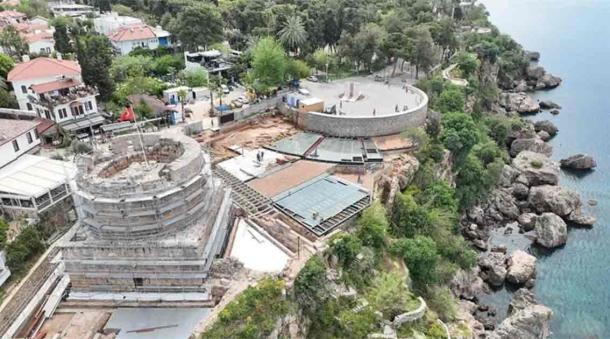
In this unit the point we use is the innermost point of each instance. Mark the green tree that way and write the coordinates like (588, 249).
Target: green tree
(61, 35)
(138, 85)
(143, 110)
(3, 233)
(311, 287)
(346, 247)
(198, 24)
(424, 54)
(269, 63)
(127, 66)
(195, 78)
(293, 35)
(12, 43)
(297, 69)
(389, 295)
(95, 55)
(373, 226)
(467, 63)
(421, 256)
(459, 133)
(450, 100)
(322, 60)
(6, 64)
(408, 218)
(166, 64)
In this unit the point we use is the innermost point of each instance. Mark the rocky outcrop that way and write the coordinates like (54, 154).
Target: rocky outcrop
(537, 168)
(547, 104)
(467, 284)
(544, 136)
(538, 78)
(521, 267)
(519, 102)
(551, 230)
(493, 268)
(532, 55)
(578, 218)
(535, 144)
(547, 126)
(555, 199)
(527, 320)
(527, 221)
(578, 162)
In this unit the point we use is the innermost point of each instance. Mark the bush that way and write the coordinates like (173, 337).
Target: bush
(421, 256)
(346, 247)
(3, 233)
(459, 133)
(451, 100)
(390, 295)
(253, 313)
(310, 286)
(195, 78)
(408, 217)
(536, 163)
(27, 245)
(373, 226)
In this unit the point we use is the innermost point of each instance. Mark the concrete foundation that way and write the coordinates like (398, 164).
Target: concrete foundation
(152, 217)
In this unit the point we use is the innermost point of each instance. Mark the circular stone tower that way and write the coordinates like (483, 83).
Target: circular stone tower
(151, 217)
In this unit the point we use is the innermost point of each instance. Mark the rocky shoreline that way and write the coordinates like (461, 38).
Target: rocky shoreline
(527, 200)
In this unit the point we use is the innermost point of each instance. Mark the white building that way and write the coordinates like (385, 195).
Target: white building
(5, 273)
(17, 137)
(53, 89)
(127, 38)
(70, 9)
(36, 32)
(107, 23)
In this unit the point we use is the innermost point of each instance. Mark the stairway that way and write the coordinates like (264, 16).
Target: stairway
(252, 202)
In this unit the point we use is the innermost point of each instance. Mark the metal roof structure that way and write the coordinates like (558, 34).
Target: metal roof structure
(32, 176)
(297, 144)
(323, 203)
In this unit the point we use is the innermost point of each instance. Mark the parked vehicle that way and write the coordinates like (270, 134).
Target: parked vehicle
(225, 89)
(304, 91)
(313, 78)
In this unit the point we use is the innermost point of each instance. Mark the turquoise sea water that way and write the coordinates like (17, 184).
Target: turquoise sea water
(573, 37)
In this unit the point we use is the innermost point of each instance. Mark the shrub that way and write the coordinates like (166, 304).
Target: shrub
(536, 163)
(373, 226)
(253, 313)
(79, 147)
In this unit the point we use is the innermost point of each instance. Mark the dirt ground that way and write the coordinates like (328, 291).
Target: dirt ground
(251, 136)
(77, 325)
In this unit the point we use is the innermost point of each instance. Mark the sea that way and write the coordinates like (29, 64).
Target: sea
(573, 37)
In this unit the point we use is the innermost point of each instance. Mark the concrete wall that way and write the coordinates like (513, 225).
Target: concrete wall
(363, 126)
(342, 126)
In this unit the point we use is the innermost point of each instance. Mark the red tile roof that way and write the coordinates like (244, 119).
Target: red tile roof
(54, 85)
(10, 129)
(132, 32)
(43, 67)
(9, 13)
(33, 37)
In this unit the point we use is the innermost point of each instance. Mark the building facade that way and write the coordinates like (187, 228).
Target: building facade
(53, 89)
(127, 38)
(17, 137)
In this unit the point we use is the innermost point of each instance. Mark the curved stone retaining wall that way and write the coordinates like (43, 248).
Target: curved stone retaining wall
(365, 126)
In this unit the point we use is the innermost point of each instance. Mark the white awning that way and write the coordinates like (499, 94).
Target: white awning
(32, 176)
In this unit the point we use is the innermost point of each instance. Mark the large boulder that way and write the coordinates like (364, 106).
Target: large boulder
(526, 320)
(535, 72)
(505, 203)
(537, 168)
(547, 126)
(527, 221)
(519, 102)
(578, 162)
(556, 199)
(535, 144)
(493, 268)
(551, 230)
(547, 81)
(578, 218)
(532, 55)
(467, 284)
(521, 267)
(547, 104)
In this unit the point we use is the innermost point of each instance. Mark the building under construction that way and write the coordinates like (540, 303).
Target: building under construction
(152, 218)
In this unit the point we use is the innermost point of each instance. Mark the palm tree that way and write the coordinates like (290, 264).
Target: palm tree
(293, 35)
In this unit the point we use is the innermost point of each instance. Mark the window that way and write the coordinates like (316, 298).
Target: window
(138, 282)
(47, 114)
(62, 113)
(29, 136)
(24, 89)
(29, 106)
(76, 110)
(89, 106)
(36, 134)
(15, 145)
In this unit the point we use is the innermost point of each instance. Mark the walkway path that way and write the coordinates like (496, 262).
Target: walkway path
(456, 81)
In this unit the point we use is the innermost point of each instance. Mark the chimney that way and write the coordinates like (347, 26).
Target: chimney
(25, 58)
(58, 56)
